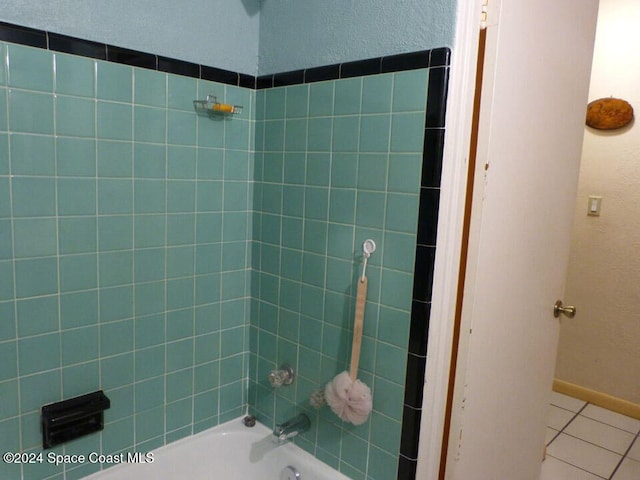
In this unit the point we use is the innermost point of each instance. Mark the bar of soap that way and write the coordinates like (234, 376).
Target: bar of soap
(223, 107)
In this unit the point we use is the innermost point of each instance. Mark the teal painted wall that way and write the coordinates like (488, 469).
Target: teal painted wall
(221, 34)
(249, 36)
(125, 221)
(301, 34)
(337, 162)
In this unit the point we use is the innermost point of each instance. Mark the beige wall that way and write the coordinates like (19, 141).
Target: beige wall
(600, 347)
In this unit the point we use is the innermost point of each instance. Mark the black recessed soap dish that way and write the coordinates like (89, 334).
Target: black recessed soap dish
(69, 419)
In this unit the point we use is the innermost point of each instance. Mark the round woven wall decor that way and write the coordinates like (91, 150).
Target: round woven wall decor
(609, 113)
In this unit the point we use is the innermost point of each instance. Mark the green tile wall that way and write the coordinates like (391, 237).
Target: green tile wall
(125, 226)
(337, 162)
(151, 252)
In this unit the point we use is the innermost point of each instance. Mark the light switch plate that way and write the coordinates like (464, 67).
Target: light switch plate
(594, 206)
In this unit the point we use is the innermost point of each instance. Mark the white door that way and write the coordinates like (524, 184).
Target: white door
(530, 138)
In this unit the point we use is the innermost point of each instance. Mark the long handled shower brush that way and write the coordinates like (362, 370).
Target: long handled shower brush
(349, 398)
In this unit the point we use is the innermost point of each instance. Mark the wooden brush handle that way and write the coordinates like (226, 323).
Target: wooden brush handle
(361, 299)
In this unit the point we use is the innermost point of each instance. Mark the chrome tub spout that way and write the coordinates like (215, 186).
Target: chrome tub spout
(292, 427)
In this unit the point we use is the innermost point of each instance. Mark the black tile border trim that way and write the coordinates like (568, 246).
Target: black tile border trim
(407, 468)
(419, 328)
(410, 434)
(101, 51)
(132, 58)
(406, 61)
(413, 390)
(65, 44)
(178, 67)
(320, 74)
(437, 60)
(423, 268)
(437, 97)
(437, 57)
(428, 216)
(295, 77)
(432, 154)
(23, 35)
(360, 68)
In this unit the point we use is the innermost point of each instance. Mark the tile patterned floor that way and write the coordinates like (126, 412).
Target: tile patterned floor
(586, 442)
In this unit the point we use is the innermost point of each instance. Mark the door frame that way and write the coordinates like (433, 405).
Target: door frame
(450, 238)
(449, 242)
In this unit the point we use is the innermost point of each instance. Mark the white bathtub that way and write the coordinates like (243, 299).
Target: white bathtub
(228, 451)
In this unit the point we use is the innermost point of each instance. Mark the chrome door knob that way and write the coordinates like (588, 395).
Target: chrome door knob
(568, 310)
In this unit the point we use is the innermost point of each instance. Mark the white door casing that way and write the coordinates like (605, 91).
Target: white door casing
(450, 222)
(537, 69)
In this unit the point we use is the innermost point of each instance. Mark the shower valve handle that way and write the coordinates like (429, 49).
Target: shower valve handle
(283, 376)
